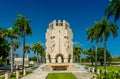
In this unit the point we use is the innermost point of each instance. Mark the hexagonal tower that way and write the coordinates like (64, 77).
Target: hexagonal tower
(59, 45)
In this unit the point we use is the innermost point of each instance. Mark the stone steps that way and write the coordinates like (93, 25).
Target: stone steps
(80, 73)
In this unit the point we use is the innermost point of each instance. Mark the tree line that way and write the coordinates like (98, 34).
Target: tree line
(101, 31)
(89, 55)
(9, 41)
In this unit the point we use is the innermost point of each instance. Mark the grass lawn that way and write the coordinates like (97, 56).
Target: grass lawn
(61, 76)
(110, 68)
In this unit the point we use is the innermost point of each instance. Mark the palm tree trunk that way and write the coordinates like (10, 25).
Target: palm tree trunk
(27, 55)
(11, 56)
(23, 53)
(105, 53)
(41, 59)
(37, 58)
(80, 58)
(96, 56)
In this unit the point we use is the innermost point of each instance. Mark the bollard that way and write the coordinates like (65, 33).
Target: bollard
(24, 73)
(98, 71)
(7, 75)
(88, 69)
(93, 70)
(31, 69)
(17, 74)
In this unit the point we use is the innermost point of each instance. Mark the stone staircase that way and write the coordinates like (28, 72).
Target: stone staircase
(78, 70)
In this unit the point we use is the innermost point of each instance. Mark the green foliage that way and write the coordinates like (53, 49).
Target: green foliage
(77, 50)
(33, 58)
(117, 59)
(101, 56)
(27, 48)
(4, 49)
(2, 77)
(113, 72)
(38, 49)
(93, 33)
(109, 75)
(91, 55)
(113, 9)
(22, 26)
(61, 76)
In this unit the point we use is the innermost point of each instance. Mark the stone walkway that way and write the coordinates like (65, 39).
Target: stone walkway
(36, 75)
(81, 73)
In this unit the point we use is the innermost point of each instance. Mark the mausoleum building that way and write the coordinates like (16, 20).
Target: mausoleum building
(59, 45)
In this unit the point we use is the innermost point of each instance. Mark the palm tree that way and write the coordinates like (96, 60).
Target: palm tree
(12, 35)
(106, 30)
(43, 57)
(84, 53)
(3, 33)
(91, 54)
(77, 50)
(38, 49)
(42, 54)
(16, 44)
(93, 34)
(27, 49)
(4, 46)
(113, 9)
(23, 28)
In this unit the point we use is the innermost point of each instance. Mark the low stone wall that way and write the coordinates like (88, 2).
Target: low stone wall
(58, 66)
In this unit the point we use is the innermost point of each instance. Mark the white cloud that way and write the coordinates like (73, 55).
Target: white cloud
(77, 43)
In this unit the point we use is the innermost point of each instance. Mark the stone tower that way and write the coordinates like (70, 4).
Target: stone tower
(59, 45)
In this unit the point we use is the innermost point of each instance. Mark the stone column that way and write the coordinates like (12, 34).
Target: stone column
(24, 73)
(47, 60)
(7, 75)
(17, 74)
(71, 60)
(65, 60)
(53, 60)
(93, 69)
(31, 69)
(98, 71)
(88, 69)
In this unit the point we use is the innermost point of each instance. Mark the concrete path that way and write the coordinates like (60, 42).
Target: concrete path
(36, 75)
(81, 73)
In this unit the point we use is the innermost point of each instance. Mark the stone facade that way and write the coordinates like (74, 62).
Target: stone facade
(59, 45)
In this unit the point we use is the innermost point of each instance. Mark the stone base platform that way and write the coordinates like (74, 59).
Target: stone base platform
(59, 66)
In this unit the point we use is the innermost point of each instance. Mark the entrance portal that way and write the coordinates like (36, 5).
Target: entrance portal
(59, 59)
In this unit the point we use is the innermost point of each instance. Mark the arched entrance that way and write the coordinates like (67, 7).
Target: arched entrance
(59, 58)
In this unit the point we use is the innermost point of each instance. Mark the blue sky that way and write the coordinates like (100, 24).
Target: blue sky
(79, 13)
